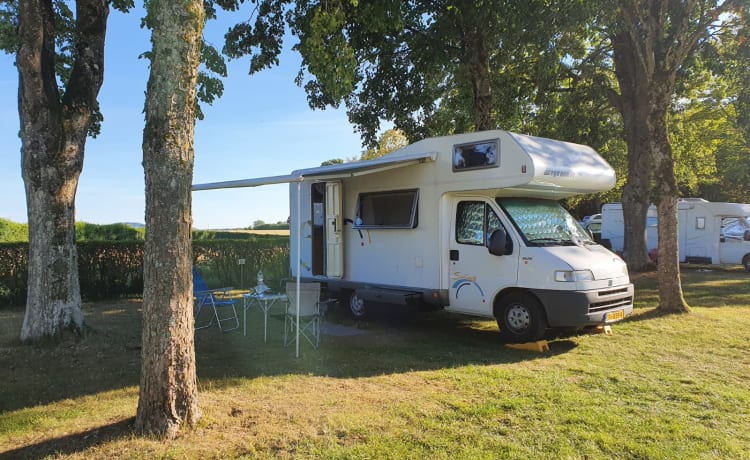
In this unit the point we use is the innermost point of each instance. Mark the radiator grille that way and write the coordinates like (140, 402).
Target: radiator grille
(608, 303)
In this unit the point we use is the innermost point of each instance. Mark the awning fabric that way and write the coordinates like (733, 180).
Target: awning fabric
(337, 171)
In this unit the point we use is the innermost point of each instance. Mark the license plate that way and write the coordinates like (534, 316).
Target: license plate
(614, 316)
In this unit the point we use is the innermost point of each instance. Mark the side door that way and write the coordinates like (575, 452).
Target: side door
(475, 275)
(333, 231)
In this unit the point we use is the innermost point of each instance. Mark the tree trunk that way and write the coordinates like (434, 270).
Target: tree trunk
(636, 197)
(53, 138)
(472, 25)
(168, 392)
(479, 74)
(671, 299)
(651, 42)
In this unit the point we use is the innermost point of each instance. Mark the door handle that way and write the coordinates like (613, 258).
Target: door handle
(454, 254)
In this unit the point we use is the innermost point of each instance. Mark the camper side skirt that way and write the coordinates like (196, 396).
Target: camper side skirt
(395, 295)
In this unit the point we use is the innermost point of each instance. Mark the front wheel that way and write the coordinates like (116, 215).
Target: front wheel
(746, 262)
(520, 318)
(357, 306)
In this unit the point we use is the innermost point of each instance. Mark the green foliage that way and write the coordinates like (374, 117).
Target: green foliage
(209, 235)
(260, 225)
(13, 263)
(390, 140)
(210, 86)
(11, 232)
(260, 36)
(115, 269)
(219, 261)
(110, 232)
(108, 270)
(418, 63)
(9, 26)
(335, 161)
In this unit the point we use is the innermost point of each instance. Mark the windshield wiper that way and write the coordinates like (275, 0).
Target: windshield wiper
(550, 240)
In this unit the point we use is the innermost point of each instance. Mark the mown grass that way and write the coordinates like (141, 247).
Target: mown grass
(423, 386)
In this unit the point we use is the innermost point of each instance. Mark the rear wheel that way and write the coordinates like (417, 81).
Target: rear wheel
(357, 306)
(746, 262)
(520, 318)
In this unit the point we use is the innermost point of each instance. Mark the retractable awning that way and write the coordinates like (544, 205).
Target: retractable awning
(337, 171)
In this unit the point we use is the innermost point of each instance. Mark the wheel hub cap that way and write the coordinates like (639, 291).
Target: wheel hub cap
(518, 318)
(357, 305)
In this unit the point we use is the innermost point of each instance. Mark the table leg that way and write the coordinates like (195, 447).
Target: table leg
(245, 307)
(265, 323)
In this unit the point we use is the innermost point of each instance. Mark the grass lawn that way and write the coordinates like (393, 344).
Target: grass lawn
(425, 386)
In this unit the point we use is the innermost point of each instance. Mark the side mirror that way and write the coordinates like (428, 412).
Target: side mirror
(499, 243)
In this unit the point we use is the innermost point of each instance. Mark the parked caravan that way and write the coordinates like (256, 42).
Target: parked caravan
(470, 223)
(708, 232)
(613, 227)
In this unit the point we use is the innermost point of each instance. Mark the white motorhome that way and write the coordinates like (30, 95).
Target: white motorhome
(613, 227)
(708, 232)
(470, 223)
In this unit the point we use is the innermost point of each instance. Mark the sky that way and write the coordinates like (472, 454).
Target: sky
(262, 126)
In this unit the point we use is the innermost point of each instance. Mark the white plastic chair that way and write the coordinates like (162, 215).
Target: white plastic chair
(309, 313)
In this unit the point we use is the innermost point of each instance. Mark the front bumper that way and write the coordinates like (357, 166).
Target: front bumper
(574, 309)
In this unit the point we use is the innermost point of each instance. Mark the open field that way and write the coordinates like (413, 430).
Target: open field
(261, 232)
(423, 386)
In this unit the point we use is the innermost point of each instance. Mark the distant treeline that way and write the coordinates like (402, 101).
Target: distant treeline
(276, 226)
(12, 232)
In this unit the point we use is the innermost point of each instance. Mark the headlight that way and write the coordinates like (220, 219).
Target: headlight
(569, 276)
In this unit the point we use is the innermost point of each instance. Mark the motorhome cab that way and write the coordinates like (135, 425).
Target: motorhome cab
(470, 223)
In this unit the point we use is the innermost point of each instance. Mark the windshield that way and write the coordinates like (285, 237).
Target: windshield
(735, 227)
(544, 222)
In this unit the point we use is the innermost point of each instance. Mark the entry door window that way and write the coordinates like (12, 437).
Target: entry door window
(475, 222)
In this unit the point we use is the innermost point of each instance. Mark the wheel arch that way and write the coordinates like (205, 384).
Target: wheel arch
(502, 295)
(746, 261)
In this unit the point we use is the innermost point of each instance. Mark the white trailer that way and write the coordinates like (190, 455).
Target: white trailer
(708, 232)
(470, 223)
(613, 227)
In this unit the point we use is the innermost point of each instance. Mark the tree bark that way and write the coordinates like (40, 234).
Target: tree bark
(636, 196)
(478, 65)
(475, 59)
(651, 41)
(671, 299)
(53, 138)
(168, 392)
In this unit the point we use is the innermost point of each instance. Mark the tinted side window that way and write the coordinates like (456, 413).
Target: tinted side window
(391, 209)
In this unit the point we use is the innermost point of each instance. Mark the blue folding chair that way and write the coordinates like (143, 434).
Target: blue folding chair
(215, 300)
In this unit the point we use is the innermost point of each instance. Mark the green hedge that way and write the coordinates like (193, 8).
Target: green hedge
(218, 261)
(13, 261)
(115, 269)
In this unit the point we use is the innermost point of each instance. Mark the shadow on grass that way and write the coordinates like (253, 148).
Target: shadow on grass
(390, 342)
(73, 443)
(109, 357)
